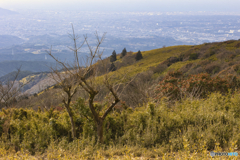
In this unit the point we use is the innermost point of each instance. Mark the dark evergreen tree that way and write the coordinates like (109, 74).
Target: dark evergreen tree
(113, 57)
(112, 67)
(139, 56)
(124, 52)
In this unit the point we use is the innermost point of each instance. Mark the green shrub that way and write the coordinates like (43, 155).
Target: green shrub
(208, 121)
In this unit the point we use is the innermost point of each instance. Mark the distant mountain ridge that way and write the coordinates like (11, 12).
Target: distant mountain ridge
(11, 76)
(8, 40)
(4, 12)
(33, 66)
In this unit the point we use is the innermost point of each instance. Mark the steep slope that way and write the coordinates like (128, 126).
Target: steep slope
(216, 59)
(212, 58)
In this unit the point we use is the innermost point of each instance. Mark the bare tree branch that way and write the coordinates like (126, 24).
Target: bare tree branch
(10, 90)
(85, 77)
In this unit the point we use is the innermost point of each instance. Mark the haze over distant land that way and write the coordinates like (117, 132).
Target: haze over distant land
(126, 5)
(134, 25)
(8, 40)
(32, 32)
(4, 12)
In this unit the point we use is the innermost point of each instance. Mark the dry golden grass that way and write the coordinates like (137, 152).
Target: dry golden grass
(124, 153)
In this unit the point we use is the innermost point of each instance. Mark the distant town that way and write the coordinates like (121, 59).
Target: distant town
(133, 30)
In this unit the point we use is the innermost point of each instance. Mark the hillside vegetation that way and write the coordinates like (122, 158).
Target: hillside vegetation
(215, 59)
(191, 128)
(182, 102)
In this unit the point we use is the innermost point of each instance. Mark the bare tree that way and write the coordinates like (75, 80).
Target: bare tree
(69, 87)
(86, 78)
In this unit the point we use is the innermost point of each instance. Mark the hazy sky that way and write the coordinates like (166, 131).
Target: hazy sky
(125, 5)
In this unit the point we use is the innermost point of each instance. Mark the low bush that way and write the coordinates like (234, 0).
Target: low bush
(191, 125)
(159, 68)
(193, 56)
(213, 68)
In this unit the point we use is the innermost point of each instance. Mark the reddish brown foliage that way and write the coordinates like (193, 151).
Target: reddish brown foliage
(175, 85)
(237, 45)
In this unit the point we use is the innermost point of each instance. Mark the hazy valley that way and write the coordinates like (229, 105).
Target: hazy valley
(36, 31)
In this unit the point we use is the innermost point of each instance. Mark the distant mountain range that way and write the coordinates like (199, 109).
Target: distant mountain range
(4, 12)
(32, 66)
(11, 76)
(8, 40)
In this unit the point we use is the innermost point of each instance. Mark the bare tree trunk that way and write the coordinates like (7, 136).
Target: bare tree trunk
(100, 130)
(98, 120)
(71, 120)
(72, 126)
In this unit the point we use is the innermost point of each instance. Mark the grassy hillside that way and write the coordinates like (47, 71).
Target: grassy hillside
(183, 103)
(215, 59)
(153, 57)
